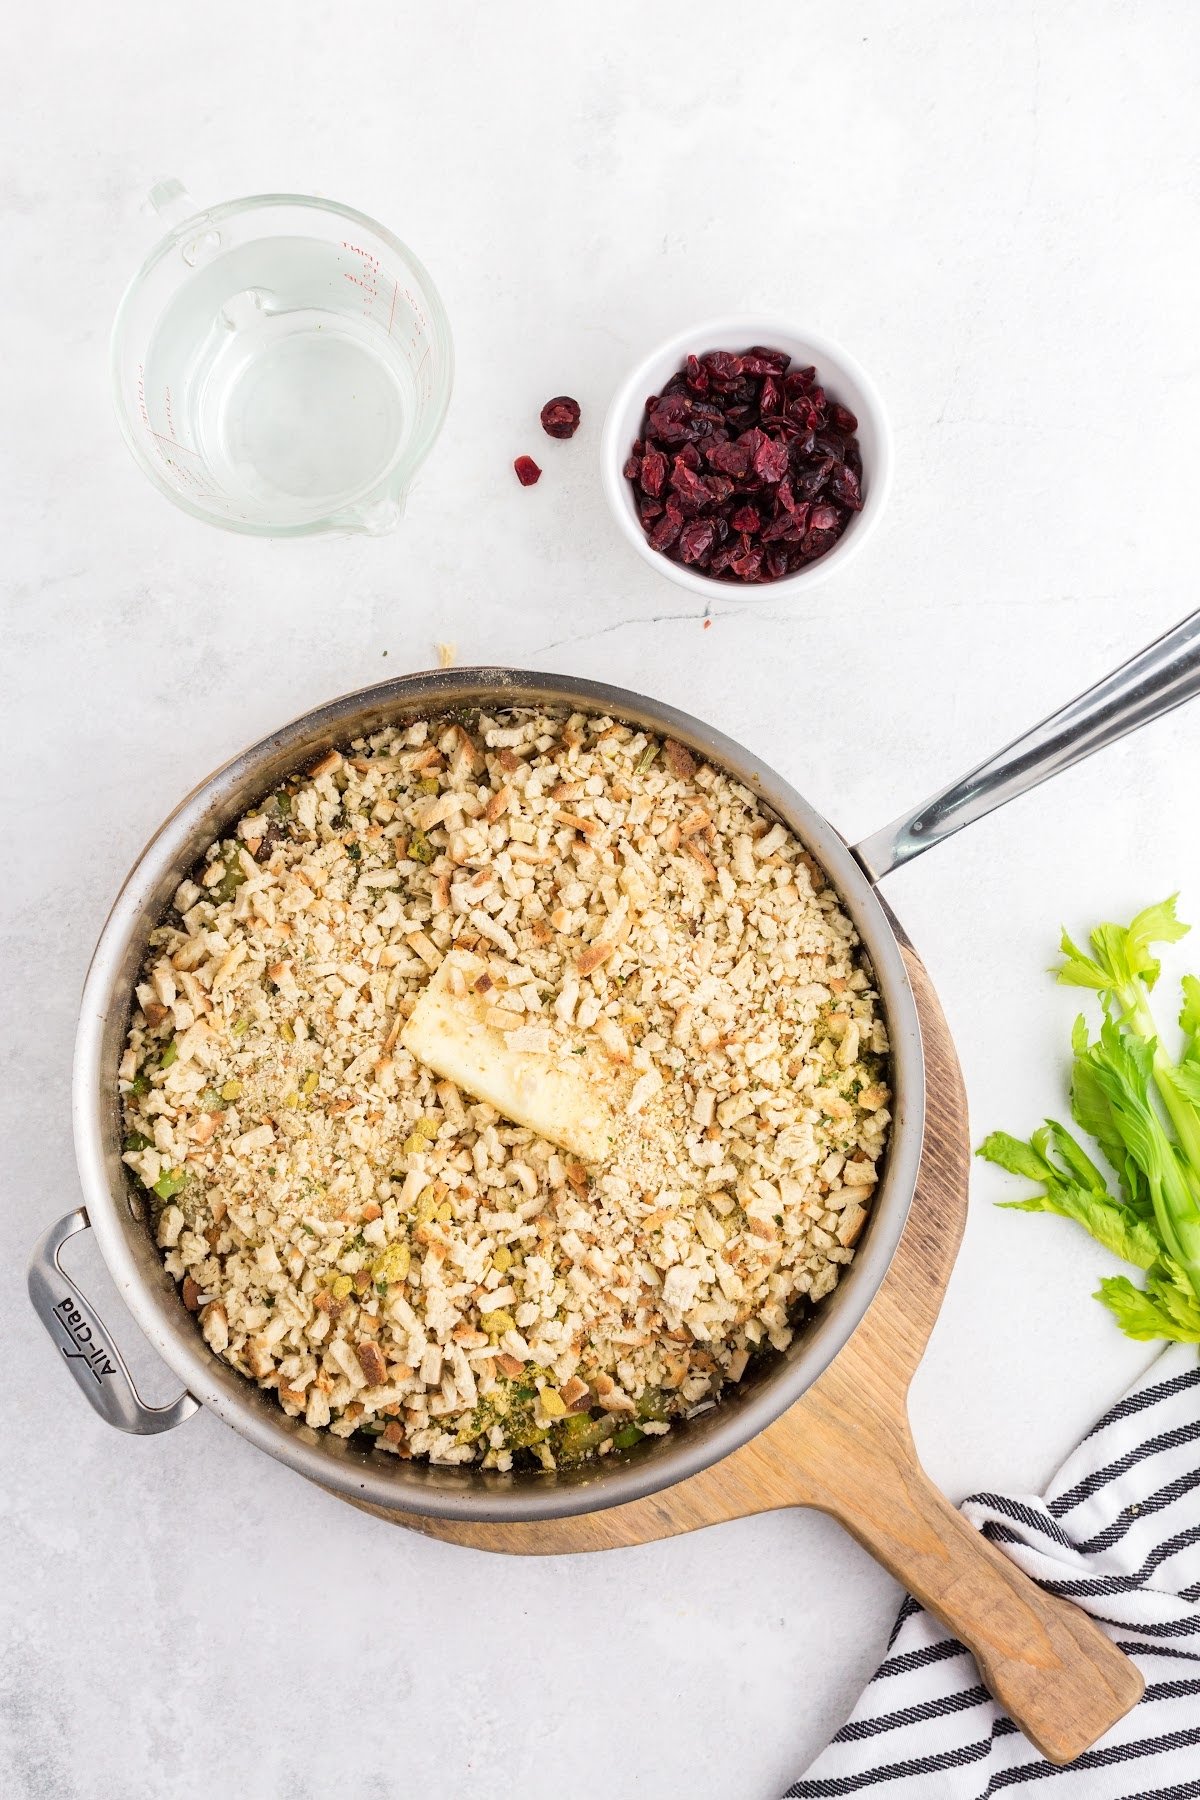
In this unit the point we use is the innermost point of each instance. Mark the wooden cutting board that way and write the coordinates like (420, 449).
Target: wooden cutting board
(845, 1448)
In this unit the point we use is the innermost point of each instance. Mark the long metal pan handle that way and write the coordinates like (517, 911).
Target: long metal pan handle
(1150, 684)
(86, 1344)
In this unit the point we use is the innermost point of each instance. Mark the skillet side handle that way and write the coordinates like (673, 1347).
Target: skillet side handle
(1050, 1666)
(87, 1346)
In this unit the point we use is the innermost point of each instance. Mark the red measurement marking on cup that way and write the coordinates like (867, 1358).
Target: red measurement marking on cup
(368, 280)
(183, 476)
(173, 442)
(418, 311)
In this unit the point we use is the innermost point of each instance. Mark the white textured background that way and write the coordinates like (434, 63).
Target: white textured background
(998, 214)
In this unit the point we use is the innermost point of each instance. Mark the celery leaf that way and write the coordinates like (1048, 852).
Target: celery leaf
(1138, 1315)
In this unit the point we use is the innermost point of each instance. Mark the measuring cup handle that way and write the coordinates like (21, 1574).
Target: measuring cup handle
(195, 233)
(172, 202)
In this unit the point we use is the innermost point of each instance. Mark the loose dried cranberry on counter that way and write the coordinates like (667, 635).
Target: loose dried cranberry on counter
(560, 417)
(527, 471)
(745, 469)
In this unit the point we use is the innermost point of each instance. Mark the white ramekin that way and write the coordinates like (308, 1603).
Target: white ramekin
(837, 372)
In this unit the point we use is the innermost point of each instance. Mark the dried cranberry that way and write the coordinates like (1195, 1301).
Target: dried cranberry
(724, 368)
(745, 468)
(806, 416)
(527, 471)
(665, 530)
(696, 540)
(771, 460)
(670, 419)
(654, 471)
(749, 566)
(730, 459)
(560, 416)
(811, 480)
(798, 381)
(845, 488)
(816, 543)
(759, 360)
(688, 485)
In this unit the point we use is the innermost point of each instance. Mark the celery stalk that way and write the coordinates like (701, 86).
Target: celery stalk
(1143, 1110)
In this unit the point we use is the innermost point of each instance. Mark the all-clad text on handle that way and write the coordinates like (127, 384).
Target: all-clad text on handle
(1151, 683)
(86, 1346)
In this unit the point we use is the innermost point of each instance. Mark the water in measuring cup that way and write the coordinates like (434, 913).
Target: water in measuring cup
(296, 403)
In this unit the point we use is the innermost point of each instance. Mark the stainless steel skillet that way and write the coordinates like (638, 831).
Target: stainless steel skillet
(1157, 680)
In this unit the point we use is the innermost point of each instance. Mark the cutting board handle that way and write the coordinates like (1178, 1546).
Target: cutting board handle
(1050, 1666)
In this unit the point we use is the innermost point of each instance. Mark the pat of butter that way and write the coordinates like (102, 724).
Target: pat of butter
(553, 1096)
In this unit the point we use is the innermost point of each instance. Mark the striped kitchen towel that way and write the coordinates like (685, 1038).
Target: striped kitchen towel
(1118, 1532)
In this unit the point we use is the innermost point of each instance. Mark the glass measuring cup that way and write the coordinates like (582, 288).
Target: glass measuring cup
(281, 365)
